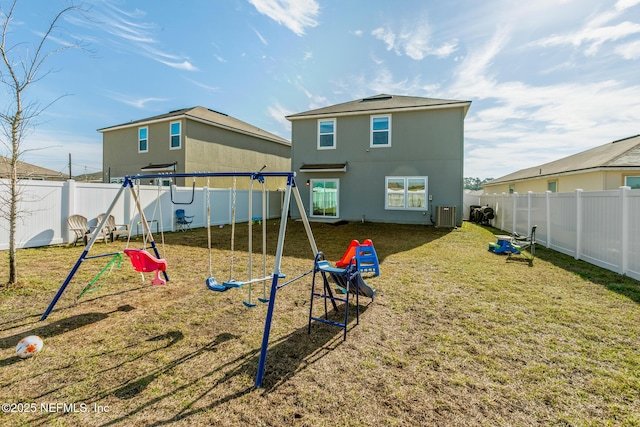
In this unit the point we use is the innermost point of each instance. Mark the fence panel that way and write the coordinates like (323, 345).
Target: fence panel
(633, 229)
(45, 206)
(601, 238)
(599, 227)
(539, 216)
(39, 217)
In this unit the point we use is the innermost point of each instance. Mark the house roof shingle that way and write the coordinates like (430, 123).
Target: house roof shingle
(27, 170)
(381, 103)
(214, 118)
(623, 153)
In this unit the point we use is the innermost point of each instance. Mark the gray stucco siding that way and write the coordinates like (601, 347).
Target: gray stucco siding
(423, 143)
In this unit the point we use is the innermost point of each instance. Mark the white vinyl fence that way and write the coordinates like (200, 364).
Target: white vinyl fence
(599, 227)
(45, 206)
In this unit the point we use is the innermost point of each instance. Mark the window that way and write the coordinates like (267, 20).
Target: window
(326, 134)
(324, 197)
(632, 181)
(512, 189)
(380, 131)
(176, 135)
(552, 186)
(406, 192)
(143, 140)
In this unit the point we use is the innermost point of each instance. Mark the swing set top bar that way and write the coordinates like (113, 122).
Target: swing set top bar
(130, 178)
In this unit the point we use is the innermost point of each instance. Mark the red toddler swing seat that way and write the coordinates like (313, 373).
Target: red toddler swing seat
(144, 262)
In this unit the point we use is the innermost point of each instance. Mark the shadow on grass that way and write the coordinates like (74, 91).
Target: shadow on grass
(61, 326)
(611, 280)
(286, 357)
(388, 239)
(56, 328)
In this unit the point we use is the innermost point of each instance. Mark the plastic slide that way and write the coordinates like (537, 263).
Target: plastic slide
(351, 252)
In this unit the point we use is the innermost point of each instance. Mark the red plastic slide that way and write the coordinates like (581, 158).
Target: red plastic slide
(347, 258)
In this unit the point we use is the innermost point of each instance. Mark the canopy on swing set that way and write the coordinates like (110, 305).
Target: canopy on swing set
(129, 183)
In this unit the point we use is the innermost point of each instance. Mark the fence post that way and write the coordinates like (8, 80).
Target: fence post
(578, 193)
(548, 201)
(624, 232)
(502, 216)
(529, 195)
(68, 193)
(514, 212)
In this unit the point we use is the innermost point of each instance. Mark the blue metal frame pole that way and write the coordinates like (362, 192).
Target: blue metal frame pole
(83, 255)
(274, 284)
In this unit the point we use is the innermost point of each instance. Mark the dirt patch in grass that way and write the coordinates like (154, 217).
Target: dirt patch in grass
(455, 336)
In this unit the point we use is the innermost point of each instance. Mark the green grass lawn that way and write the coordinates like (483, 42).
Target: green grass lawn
(455, 336)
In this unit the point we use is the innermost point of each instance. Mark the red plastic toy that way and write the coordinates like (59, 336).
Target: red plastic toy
(144, 262)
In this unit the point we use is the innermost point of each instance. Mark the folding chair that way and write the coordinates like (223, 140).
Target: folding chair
(183, 221)
(520, 244)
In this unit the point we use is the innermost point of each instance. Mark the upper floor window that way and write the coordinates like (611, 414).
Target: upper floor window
(632, 181)
(381, 131)
(326, 134)
(406, 192)
(176, 135)
(143, 139)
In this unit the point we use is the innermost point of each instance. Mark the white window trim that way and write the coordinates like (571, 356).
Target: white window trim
(139, 139)
(179, 135)
(371, 144)
(337, 181)
(406, 194)
(335, 134)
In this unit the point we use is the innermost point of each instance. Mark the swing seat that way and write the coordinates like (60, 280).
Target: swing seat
(213, 285)
(144, 262)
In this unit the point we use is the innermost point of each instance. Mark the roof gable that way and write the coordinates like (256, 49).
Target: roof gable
(381, 103)
(204, 115)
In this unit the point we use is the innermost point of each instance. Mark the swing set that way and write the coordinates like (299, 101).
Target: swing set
(151, 261)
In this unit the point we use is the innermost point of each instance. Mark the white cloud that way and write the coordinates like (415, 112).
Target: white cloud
(262, 39)
(293, 14)
(629, 50)
(140, 103)
(278, 113)
(413, 41)
(626, 4)
(387, 36)
(596, 31)
(127, 30)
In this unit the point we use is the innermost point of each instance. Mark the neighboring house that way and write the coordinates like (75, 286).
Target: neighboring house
(29, 171)
(89, 177)
(192, 140)
(386, 158)
(605, 167)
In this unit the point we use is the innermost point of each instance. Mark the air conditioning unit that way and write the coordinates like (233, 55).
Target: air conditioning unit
(446, 216)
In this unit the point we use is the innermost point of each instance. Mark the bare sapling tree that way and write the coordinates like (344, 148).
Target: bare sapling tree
(23, 65)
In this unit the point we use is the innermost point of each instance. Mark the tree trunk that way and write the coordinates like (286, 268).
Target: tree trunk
(13, 208)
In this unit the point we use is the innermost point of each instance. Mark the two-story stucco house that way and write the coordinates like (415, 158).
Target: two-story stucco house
(386, 158)
(191, 140)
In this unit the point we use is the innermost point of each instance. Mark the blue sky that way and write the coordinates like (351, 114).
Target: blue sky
(546, 78)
